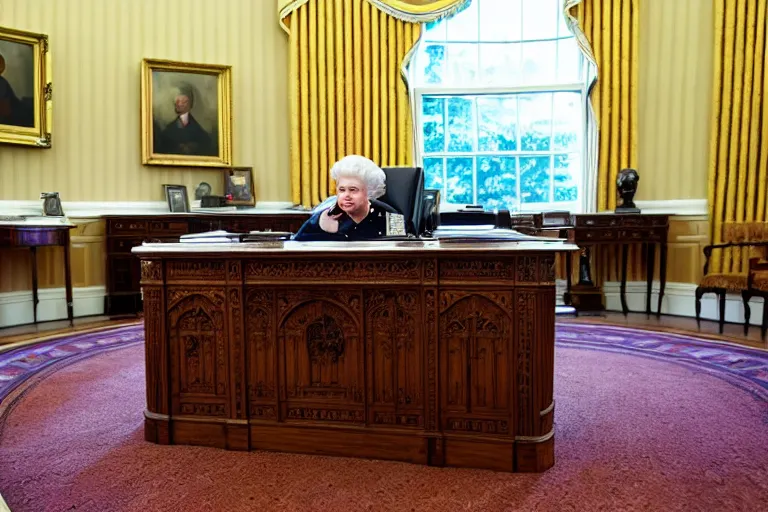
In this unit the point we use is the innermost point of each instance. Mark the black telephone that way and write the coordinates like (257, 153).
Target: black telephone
(336, 209)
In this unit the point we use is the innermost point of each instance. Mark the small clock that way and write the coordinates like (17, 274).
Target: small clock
(51, 204)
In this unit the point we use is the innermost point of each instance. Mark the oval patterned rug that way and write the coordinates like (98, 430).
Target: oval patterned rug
(644, 421)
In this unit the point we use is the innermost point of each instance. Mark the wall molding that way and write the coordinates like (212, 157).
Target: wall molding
(87, 209)
(680, 300)
(92, 209)
(682, 207)
(16, 307)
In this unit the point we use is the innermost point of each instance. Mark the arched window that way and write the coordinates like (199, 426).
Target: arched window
(499, 95)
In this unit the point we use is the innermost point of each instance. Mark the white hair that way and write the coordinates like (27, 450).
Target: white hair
(355, 166)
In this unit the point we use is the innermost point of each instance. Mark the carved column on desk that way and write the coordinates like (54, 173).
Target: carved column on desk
(436, 442)
(238, 431)
(534, 321)
(157, 415)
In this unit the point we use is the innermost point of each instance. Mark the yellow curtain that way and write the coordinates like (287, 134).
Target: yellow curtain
(738, 160)
(348, 94)
(607, 32)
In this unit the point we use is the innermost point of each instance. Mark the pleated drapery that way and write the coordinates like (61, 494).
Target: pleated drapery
(607, 32)
(738, 169)
(347, 93)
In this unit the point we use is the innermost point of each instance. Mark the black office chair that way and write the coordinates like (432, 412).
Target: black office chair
(405, 193)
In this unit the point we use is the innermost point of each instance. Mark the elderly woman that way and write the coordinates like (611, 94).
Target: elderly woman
(356, 214)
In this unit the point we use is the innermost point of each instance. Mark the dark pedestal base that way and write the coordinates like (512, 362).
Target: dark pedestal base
(587, 298)
(433, 449)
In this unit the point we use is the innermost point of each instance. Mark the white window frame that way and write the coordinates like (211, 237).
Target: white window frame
(578, 206)
(582, 204)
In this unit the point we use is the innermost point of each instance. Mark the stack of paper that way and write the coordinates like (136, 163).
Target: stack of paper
(484, 233)
(211, 237)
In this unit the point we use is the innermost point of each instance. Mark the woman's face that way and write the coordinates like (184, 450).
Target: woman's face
(352, 195)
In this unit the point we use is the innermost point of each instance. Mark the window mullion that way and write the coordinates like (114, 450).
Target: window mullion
(552, 148)
(476, 144)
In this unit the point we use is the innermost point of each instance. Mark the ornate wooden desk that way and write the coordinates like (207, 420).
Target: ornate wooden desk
(34, 235)
(411, 351)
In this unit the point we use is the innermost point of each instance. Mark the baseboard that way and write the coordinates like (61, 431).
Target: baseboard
(680, 300)
(16, 307)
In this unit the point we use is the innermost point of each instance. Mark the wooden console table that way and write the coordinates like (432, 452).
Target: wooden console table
(33, 235)
(621, 229)
(439, 354)
(125, 232)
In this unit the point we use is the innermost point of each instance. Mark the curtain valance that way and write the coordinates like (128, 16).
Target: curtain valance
(412, 11)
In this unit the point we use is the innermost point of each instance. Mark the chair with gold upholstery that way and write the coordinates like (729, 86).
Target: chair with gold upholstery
(757, 286)
(722, 283)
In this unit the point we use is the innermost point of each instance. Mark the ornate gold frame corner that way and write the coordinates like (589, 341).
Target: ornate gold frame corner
(224, 104)
(39, 135)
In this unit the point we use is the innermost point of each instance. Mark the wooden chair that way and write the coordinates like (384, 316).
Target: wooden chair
(722, 283)
(757, 286)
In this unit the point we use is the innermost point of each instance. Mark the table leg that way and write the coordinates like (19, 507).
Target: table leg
(662, 275)
(650, 263)
(585, 270)
(35, 299)
(623, 291)
(568, 271)
(68, 281)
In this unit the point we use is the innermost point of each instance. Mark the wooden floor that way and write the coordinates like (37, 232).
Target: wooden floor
(22, 333)
(732, 333)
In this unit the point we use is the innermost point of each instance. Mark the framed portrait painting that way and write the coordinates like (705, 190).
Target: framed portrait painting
(238, 186)
(186, 114)
(25, 88)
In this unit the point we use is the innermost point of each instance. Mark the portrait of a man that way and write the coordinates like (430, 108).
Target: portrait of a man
(190, 128)
(185, 114)
(17, 84)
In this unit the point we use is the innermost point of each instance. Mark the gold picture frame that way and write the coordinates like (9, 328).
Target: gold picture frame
(186, 114)
(26, 90)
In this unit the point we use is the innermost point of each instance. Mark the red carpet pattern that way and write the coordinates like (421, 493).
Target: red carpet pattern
(19, 364)
(679, 428)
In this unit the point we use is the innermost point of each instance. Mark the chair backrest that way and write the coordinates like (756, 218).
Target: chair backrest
(405, 193)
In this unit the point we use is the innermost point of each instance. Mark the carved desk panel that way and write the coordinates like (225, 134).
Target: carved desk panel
(439, 357)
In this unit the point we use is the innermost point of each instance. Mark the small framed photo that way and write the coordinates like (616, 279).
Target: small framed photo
(25, 89)
(186, 115)
(176, 195)
(238, 186)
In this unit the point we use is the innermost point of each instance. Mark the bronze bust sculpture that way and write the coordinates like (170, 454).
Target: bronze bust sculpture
(626, 183)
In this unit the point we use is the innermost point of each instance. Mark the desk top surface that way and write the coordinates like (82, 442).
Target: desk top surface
(368, 247)
(11, 221)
